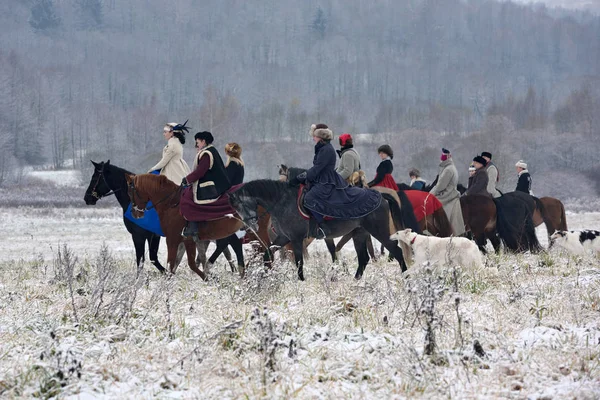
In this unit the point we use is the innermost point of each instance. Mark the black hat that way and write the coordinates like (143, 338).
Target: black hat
(480, 160)
(206, 136)
(445, 151)
(386, 149)
(486, 154)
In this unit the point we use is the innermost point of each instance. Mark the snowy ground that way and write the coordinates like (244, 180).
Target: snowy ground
(87, 326)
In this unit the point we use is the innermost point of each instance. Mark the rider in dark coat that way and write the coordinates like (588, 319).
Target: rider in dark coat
(329, 194)
(524, 183)
(478, 183)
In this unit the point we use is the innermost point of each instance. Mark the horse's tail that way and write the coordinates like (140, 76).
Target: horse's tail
(407, 214)
(442, 223)
(506, 231)
(539, 205)
(563, 218)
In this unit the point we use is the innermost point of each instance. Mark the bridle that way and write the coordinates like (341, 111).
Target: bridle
(135, 194)
(95, 193)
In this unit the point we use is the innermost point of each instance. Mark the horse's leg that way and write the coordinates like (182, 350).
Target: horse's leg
(172, 245)
(481, 240)
(381, 231)
(227, 255)
(297, 247)
(153, 243)
(278, 242)
(494, 239)
(370, 248)
(139, 242)
(345, 239)
(201, 246)
(236, 245)
(331, 247)
(221, 245)
(190, 248)
(360, 245)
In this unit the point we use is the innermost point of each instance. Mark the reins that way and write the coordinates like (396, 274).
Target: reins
(99, 196)
(141, 210)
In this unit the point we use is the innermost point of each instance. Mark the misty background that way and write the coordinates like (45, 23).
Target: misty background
(98, 79)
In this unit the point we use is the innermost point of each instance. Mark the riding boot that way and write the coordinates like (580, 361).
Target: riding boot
(191, 229)
(314, 230)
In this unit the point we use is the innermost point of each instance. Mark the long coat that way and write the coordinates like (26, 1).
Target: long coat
(349, 162)
(172, 165)
(329, 194)
(446, 192)
(492, 173)
(478, 183)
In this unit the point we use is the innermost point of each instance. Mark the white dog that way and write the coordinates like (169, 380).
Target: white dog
(578, 242)
(459, 251)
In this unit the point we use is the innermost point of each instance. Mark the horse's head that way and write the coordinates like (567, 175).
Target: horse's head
(246, 207)
(139, 199)
(283, 173)
(98, 186)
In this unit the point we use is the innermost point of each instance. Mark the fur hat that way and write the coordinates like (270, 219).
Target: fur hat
(206, 136)
(480, 160)
(486, 154)
(521, 164)
(346, 139)
(385, 148)
(321, 131)
(233, 150)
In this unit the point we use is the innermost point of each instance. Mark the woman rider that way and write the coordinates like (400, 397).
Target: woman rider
(329, 194)
(172, 165)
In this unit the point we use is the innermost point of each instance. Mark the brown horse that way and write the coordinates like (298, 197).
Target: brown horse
(551, 212)
(479, 214)
(165, 195)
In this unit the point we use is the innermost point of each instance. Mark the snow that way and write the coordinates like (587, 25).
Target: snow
(60, 178)
(146, 336)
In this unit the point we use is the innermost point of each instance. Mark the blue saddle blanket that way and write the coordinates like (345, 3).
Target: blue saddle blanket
(150, 219)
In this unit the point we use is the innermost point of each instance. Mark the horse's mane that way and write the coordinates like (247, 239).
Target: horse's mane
(154, 183)
(267, 189)
(114, 168)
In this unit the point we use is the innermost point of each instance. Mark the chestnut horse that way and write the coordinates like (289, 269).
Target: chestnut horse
(165, 196)
(551, 212)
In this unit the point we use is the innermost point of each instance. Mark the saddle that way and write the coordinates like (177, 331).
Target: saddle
(303, 211)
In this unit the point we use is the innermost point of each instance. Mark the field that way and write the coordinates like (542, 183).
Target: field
(77, 320)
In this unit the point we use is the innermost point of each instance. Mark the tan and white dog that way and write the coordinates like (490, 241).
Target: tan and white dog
(441, 251)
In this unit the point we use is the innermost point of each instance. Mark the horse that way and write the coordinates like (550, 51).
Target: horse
(551, 212)
(165, 196)
(108, 180)
(357, 179)
(435, 221)
(281, 202)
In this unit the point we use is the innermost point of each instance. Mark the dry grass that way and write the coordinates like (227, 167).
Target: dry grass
(140, 334)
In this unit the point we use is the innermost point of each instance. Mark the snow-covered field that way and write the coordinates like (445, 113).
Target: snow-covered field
(86, 325)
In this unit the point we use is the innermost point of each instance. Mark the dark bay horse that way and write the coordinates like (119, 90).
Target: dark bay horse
(280, 200)
(109, 179)
(165, 196)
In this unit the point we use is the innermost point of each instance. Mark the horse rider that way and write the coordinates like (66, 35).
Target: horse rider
(524, 183)
(478, 183)
(416, 182)
(328, 193)
(445, 190)
(172, 165)
(384, 170)
(493, 175)
(349, 157)
(234, 164)
(209, 180)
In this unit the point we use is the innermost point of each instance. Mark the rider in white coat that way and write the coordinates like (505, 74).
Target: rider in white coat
(172, 165)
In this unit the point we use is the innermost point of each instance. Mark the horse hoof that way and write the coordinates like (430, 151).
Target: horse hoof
(358, 277)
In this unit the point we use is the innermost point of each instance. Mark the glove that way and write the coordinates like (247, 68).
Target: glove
(184, 182)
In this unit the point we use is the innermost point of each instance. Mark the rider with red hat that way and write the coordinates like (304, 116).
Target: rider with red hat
(349, 157)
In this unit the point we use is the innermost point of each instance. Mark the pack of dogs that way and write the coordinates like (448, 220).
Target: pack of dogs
(439, 252)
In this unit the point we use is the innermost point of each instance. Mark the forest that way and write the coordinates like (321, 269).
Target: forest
(97, 79)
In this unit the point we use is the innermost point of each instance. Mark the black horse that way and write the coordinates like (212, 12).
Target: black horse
(279, 199)
(110, 180)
